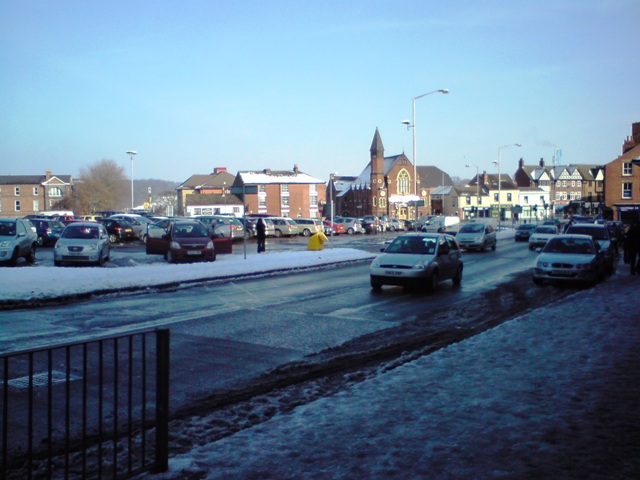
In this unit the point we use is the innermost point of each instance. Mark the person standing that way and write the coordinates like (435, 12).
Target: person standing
(632, 247)
(261, 234)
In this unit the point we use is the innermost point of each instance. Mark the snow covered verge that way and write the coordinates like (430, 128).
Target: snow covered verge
(553, 393)
(26, 284)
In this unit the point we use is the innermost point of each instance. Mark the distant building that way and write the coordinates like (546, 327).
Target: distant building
(622, 180)
(22, 195)
(286, 193)
(208, 194)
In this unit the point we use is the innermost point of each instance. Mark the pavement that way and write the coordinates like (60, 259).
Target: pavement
(551, 394)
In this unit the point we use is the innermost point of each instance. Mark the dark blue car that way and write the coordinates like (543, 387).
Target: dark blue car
(48, 230)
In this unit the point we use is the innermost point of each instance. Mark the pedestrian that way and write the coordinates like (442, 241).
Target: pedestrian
(632, 247)
(261, 234)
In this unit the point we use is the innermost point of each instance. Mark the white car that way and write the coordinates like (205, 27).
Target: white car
(82, 243)
(18, 238)
(541, 235)
(418, 260)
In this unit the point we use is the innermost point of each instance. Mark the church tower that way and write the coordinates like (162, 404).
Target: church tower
(377, 176)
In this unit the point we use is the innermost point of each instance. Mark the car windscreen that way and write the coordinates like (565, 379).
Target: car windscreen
(569, 245)
(597, 233)
(413, 245)
(472, 228)
(7, 229)
(190, 230)
(78, 232)
(546, 230)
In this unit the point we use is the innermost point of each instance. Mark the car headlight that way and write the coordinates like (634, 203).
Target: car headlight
(421, 265)
(93, 246)
(6, 243)
(209, 245)
(175, 246)
(542, 264)
(583, 266)
(58, 245)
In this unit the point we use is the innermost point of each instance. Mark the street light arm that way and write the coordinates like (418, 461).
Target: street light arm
(442, 90)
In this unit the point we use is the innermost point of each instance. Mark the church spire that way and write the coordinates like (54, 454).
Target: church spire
(376, 145)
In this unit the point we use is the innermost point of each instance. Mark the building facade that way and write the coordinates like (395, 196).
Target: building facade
(22, 195)
(216, 188)
(622, 180)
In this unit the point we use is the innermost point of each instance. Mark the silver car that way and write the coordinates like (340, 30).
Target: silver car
(570, 258)
(541, 235)
(82, 243)
(18, 238)
(418, 260)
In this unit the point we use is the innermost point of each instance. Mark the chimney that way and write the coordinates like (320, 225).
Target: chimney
(542, 162)
(485, 178)
(634, 140)
(47, 174)
(217, 170)
(521, 162)
(267, 171)
(295, 169)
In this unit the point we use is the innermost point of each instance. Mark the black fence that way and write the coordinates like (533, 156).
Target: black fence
(93, 409)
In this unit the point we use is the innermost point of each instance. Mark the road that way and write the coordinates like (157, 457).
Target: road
(242, 329)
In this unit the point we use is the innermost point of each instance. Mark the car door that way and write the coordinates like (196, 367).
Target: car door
(447, 258)
(158, 239)
(23, 239)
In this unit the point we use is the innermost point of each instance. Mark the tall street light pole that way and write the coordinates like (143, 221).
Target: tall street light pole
(132, 153)
(477, 188)
(500, 179)
(413, 126)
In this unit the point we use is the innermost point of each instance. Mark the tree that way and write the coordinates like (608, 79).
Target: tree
(102, 186)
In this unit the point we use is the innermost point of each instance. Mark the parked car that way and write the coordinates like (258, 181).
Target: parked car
(477, 235)
(541, 235)
(309, 226)
(92, 218)
(138, 223)
(285, 227)
(524, 231)
(183, 241)
(119, 230)
(351, 225)
(441, 224)
(419, 222)
(82, 243)
(18, 238)
(249, 226)
(223, 226)
(371, 224)
(396, 225)
(333, 228)
(600, 234)
(270, 228)
(418, 260)
(570, 258)
(48, 230)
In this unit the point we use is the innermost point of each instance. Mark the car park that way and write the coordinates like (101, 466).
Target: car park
(82, 243)
(222, 226)
(524, 231)
(477, 235)
(569, 258)
(541, 235)
(371, 224)
(138, 223)
(18, 238)
(600, 234)
(119, 230)
(309, 226)
(396, 225)
(418, 260)
(48, 230)
(183, 241)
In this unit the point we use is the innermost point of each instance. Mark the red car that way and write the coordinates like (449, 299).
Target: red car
(337, 228)
(182, 241)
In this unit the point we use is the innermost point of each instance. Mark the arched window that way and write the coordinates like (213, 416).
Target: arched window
(55, 192)
(403, 182)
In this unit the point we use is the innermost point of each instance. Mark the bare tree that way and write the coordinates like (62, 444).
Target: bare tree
(102, 186)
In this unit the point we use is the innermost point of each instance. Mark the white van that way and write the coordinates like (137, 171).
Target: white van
(441, 224)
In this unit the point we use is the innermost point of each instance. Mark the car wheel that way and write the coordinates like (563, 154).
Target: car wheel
(57, 263)
(170, 257)
(457, 278)
(493, 247)
(350, 231)
(376, 285)
(433, 281)
(113, 238)
(31, 256)
(100, 261)
(144, 238)
(306, 232)
(278, 233)
(41, 240)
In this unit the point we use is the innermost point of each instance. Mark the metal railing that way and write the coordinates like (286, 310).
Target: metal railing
(92, 409)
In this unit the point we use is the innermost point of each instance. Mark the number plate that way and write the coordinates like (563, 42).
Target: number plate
(393, 273)
(194, 252)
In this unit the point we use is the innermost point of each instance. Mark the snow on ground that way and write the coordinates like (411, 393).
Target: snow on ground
(27, 283)
(551, 394)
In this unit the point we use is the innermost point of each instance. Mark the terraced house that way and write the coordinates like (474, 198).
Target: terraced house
(22, 195)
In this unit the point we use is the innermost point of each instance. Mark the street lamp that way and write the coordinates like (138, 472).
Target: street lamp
(413, 126)
(500, 179)
(477, 188)
(132, 153)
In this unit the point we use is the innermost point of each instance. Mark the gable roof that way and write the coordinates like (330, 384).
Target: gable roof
(211, 180)
(32, 179)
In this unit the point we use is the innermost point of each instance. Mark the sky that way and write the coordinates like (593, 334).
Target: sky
(191, 86)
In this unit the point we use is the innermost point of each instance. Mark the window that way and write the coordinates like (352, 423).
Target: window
(526, 200)
(564, 183)
(627, 169)
(262, 202)
(55, 192)
(35, 191)
(558, 183)
(383, 202)
(313, 188)
(17, 191)
(375, 201)
(403, 180)
(579, 183)
(508, 197)
(36, 205)
(627, 190)
(284, 189)
(468, 200)
(480, 200)
(558, 196)
(17, 206)
(495, 197)
(284, 201)
(262, 189)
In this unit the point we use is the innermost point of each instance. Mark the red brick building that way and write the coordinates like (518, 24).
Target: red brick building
(622, 180)
(22, 195)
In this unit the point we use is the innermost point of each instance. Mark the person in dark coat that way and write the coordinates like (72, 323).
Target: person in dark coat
(632, 247)
(261, 234)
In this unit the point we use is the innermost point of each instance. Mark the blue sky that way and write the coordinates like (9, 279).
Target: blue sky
(194, 85)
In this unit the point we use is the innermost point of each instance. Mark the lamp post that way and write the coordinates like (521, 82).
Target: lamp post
(412, 125)
(500, 179)
(477, 188)
(132, 153)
